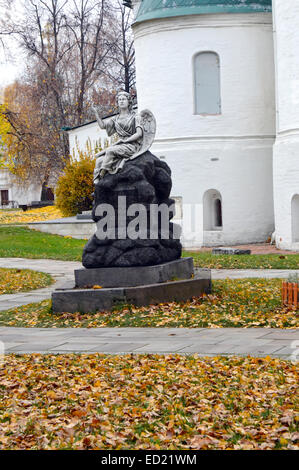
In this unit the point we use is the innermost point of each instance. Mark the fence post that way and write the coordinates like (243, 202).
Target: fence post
(295, 295)
(290, 294)
(284, 292)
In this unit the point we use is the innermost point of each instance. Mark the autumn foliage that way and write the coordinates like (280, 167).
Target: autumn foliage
(77, 54)
(75, 186)
(99, 402)
(4, 132)
(22, 280)
(234, 303)
(32, 215)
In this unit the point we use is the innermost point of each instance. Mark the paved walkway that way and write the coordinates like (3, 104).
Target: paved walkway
(253, 273)
(63, 271)
(204, 341)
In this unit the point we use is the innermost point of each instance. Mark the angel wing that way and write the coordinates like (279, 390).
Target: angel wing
(147, 121)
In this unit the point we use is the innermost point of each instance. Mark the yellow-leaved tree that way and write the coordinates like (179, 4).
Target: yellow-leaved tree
(4, 137)
(75, 186)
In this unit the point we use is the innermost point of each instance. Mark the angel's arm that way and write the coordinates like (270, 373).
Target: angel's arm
(100, 154)
(99, 120)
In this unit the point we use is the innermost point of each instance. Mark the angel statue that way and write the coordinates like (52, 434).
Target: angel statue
(136, 134)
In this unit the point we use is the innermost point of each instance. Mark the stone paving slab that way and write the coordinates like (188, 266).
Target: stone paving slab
(218, 341)
(282, 334)
(50, 266)
(61, 271)
(287, 352)
(252, 273)
(161, 346)
(257, 342)
(34, 347)
(70, 347)
(119, 348)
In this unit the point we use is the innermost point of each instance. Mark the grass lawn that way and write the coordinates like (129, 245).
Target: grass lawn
(21, 242)
(22, 280)
(147, 402)
(234, 303)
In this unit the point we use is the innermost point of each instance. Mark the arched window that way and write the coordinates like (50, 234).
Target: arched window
(207, 83)
(212, 210)
(295, 218)
(218, 213)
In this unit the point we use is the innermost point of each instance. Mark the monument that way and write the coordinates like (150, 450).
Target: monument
(135, 255)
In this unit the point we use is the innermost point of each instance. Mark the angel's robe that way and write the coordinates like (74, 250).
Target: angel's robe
(116, 155)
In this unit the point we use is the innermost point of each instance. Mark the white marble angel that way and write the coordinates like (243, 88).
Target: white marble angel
(136, 134)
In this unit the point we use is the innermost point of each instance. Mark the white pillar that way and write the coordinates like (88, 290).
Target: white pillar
(286, 148)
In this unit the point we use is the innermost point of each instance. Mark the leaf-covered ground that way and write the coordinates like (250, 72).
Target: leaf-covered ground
(147, 402)
(18, 216)
(234, 303)
(22, 280)
(22, 242)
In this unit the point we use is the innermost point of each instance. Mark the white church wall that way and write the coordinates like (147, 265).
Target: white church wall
(195, 170)
(90, 133)
(230, 152)
(286, 149)
(165, 81)
(16, 192)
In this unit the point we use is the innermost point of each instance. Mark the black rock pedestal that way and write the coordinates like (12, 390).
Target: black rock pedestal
(143, 183)
(133, 259)
(141, 286)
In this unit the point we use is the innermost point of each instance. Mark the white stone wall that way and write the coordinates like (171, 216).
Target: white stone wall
(231, 152)
(286, 149)
(80, 230)
(18, 193)
(90, 134)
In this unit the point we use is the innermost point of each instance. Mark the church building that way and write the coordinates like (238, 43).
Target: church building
(222, 79)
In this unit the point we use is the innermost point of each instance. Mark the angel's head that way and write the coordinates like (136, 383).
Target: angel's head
(124, 100)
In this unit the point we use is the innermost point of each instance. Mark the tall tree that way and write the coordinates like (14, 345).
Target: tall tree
(4, 130)
(121, 68)
(42, 35)
(5, 17)
(89, 23)
(31, 143)
(69, 46)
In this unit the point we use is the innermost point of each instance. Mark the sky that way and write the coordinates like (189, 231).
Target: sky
(11, 59)
(10, 63)
(8, 71)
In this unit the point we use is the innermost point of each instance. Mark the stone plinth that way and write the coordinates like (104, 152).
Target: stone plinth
(93, 300)
(135, 276)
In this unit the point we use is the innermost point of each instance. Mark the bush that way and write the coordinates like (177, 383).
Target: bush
(75, 186)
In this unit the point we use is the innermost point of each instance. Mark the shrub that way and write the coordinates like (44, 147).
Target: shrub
(75, 186)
